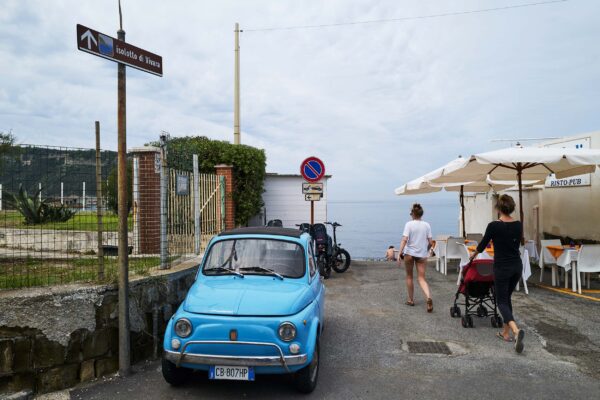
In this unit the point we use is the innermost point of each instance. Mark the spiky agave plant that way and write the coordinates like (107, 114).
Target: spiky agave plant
(30, 207)
(35, 210)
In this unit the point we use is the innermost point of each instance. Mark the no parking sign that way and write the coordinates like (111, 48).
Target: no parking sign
(312, 169)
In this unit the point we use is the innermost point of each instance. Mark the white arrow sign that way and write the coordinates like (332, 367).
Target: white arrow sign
(90, 38)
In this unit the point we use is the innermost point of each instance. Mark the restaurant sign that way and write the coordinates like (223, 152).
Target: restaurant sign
(108, 47)
(579, 180)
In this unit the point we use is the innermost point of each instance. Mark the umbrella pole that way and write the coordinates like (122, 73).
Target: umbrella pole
(521, 214)
(462, 207)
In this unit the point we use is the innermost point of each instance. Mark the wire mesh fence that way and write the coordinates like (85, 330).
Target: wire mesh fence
(59, 222)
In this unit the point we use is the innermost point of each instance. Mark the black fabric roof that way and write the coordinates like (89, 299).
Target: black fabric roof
(263, 230)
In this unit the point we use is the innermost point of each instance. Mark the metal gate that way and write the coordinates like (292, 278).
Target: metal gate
(195, 211)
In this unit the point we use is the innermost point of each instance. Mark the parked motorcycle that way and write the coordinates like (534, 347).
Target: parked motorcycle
(322, 249)
(340, 258)
(330, 255)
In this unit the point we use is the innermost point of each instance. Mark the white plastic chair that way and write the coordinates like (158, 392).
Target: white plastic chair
(437, 257)
(546, 258)
(455, 250)
(464, 259)
(588, 260)
(440, 255)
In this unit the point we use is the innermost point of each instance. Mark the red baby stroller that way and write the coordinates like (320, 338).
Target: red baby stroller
(477, 286)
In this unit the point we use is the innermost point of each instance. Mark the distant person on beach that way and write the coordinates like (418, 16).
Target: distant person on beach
(506, 233)
(414, 249)
(389, 254)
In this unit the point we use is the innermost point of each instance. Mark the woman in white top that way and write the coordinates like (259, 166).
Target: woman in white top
(414, 249)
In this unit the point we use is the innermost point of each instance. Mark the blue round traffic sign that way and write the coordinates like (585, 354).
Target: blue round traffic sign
(312, 169)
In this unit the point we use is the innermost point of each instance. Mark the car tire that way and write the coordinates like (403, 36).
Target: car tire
(175, 376)
(306, 379)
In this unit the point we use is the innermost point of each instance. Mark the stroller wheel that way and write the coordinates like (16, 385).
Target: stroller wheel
(496, 321)
(470, 321)
(482, 311)
(464, 322)
(454, 311)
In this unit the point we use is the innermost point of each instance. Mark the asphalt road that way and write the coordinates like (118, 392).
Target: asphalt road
(365, 353)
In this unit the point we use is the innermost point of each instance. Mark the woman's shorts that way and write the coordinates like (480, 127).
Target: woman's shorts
(417, 259)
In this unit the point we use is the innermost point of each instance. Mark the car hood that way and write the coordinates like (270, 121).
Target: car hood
(251, 296)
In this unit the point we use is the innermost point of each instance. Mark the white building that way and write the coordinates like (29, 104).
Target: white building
(284, 200)
(567, 207)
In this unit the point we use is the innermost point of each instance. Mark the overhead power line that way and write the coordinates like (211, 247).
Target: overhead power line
(376, 21)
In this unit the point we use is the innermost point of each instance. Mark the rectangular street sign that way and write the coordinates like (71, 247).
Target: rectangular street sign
(312, 188)
(312, 197)
(105, 46)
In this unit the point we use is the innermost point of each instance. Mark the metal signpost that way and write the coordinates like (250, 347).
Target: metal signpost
(117, 50)
(312, 170)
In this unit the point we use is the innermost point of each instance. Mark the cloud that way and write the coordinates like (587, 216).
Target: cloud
(379, 103)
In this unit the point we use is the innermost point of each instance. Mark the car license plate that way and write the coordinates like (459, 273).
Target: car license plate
(231, 373)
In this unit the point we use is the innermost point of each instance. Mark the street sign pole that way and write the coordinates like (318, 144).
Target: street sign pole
(312, 212)
(125, 54)
(124, 360)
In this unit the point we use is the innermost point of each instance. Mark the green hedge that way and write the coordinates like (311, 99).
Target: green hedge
(249, 166)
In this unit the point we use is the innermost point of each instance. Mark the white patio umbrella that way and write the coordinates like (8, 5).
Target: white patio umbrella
(423, 185)
(522, 163)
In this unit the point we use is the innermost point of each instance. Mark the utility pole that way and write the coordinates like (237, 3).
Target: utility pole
(236, 101)
(124, 361)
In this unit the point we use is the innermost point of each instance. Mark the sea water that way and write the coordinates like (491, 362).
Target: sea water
(369, 228)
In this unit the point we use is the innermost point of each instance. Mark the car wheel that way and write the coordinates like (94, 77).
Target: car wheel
(306, 378)
(175, 376)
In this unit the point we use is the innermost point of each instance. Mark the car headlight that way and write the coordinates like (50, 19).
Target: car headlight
(287, 331)
(183, 328)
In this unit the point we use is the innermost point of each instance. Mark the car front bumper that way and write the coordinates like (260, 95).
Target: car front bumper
(181, 357)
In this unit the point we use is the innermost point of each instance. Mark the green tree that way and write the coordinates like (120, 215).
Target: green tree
(7, 141)
(111, 189)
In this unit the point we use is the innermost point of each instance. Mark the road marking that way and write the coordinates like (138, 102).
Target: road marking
(567, 291)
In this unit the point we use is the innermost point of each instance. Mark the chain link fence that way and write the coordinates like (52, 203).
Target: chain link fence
(59, 222)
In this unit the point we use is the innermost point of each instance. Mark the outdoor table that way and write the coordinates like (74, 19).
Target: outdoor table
(532, 249)
(488, 250)
(566, 257)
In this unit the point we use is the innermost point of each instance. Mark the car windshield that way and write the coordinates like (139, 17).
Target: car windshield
(272, 257)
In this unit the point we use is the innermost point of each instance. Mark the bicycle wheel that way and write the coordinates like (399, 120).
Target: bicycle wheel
(342, 261)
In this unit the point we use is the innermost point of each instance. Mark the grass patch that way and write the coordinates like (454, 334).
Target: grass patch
(30, 272)
(82, 221)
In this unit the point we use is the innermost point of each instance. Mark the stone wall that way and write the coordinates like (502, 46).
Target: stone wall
(54, 338)
(50, 240)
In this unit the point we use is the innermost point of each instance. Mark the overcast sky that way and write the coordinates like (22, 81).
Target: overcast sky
(380, 103)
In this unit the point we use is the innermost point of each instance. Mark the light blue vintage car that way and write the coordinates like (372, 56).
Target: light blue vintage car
(256, 308)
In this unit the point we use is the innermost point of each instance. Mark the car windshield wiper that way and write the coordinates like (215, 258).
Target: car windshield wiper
(223, 269)
(263, 269)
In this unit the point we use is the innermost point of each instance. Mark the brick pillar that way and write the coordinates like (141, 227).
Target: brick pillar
(227, 172)
(146, 199)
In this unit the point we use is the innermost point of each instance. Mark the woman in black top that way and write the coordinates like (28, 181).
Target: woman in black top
(506, 233)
